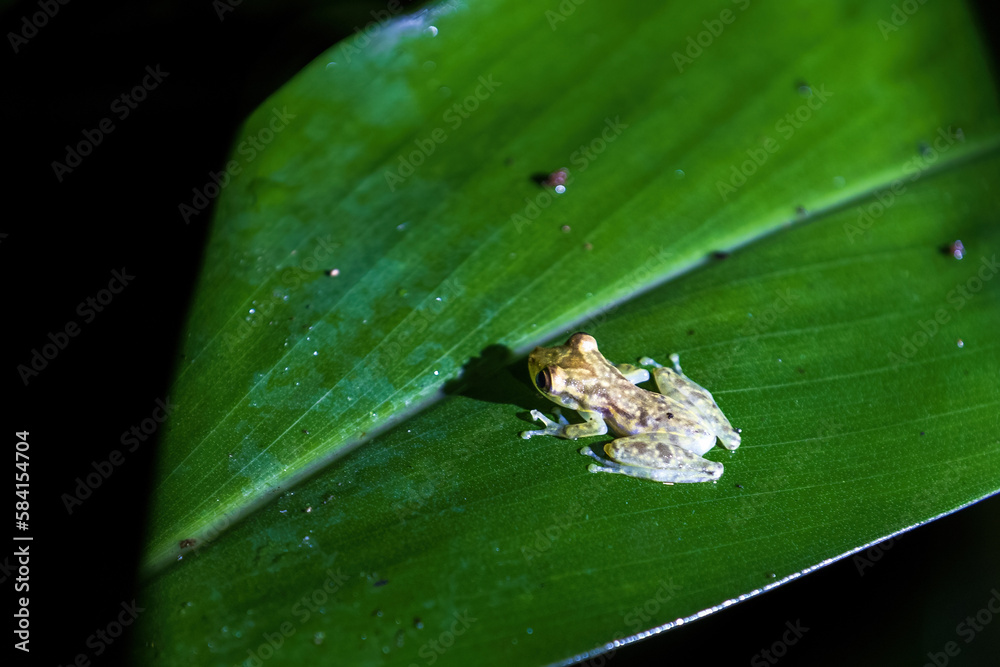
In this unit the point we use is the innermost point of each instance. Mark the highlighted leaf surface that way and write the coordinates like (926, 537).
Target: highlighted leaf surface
(337, 301)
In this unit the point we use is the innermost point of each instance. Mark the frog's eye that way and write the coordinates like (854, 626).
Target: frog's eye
(543, 380)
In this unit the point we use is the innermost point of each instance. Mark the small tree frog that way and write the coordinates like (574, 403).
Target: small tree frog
(661, 436)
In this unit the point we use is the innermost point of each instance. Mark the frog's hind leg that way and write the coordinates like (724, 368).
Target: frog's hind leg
(676, 385)
(655, 456)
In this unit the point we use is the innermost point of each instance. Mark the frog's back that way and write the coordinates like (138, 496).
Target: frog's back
(639, 411)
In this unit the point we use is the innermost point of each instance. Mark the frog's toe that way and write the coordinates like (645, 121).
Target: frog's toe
(548, 422)
(675, 359)
(602, 465)
(551, 427)
(649, 361)
(731, 438)
(633, 374)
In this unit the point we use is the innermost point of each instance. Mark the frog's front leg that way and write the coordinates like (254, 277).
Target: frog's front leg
(676, 385)
(655, 456)
(593, 425)
(633, 374)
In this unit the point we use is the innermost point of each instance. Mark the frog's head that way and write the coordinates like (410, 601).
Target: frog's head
(564, 373)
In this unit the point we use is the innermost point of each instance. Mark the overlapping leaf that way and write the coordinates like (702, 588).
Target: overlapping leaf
(864, 377)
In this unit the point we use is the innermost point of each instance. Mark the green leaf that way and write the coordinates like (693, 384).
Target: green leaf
(452, 513)
(850, 433)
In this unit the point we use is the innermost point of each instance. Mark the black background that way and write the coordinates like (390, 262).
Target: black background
(118, 210)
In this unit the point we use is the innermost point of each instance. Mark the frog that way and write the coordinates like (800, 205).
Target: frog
(660, 436)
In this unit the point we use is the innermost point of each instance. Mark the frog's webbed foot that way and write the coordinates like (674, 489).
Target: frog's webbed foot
(676, 385)
(557, 429)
